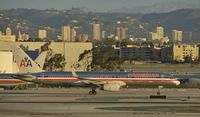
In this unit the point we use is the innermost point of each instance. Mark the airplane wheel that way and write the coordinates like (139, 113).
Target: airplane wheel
(92, 92)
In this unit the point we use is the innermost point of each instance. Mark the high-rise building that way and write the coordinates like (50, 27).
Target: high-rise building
(19, 36)
(177, 35)
(96, 31)
(157, 35)
(73, 34)
(103, 34)
(160, 32)
(68, 34)
(187, 36)
(8, 31)
(8, 36)
(118, 32)
(42, 34)
(153, 36)
(121, 33)
(23, 37)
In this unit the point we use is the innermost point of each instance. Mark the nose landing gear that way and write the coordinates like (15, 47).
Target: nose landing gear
(158, 96)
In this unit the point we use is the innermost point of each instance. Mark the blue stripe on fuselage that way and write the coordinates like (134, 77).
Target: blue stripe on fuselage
(106, 74)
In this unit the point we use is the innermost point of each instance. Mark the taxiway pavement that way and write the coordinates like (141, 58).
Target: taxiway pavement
(75, 102)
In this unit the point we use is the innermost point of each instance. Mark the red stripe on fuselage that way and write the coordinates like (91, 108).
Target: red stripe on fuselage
(10, 81)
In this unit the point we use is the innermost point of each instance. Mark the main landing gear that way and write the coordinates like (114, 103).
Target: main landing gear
(93, 92)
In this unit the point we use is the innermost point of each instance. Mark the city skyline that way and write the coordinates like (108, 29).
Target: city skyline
(102, 5)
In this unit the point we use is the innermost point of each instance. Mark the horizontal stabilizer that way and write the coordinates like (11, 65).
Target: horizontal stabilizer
(28, 78)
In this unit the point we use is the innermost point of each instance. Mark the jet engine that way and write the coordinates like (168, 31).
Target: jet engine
(113, 86)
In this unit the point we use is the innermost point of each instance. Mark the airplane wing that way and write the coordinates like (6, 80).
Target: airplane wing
(96, 82)
(87, 80)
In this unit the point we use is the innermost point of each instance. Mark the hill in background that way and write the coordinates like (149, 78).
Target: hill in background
(30, 20)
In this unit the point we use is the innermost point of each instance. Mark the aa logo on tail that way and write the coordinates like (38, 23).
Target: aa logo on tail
(25, 62)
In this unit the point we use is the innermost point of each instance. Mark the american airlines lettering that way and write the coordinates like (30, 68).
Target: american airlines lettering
(144, 75)
(25, 62)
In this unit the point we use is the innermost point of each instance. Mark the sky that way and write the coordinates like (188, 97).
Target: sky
(90, 5)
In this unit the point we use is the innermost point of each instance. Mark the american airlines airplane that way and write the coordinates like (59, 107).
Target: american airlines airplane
(107, 81)
(7, 81)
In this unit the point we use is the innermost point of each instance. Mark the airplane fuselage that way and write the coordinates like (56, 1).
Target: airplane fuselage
(6, 80)
(130, 78)
(66, 78)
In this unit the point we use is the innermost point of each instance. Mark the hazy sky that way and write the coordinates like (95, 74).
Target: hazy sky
(92, 5)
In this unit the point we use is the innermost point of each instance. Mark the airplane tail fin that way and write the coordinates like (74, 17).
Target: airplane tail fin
(40, 60)
(24, 62)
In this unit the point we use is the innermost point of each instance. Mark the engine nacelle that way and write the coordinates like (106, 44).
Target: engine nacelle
(111, 87)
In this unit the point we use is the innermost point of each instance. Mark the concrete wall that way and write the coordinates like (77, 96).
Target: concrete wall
(6, 62)
(70, 50)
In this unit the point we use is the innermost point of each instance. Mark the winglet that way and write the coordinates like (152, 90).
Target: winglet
(74, 74)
